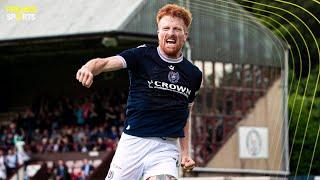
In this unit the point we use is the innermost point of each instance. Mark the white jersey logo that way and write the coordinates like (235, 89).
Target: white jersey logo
(128, 127)
(143, 45)
(171, 67)
(170, 87)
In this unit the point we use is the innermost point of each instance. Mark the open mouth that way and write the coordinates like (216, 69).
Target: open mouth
(171, 41)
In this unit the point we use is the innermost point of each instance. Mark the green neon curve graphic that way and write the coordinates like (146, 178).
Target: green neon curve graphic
(314, 94)
(306, 84)
(304, 137)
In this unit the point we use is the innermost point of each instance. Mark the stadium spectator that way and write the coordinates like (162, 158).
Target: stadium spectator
(111, 145)
(79, 112)
(114, 133)
(3, 169)
(93, 118)
(61, 171)
(11, 161)
(76, 174)
(28, 121)
(87, 169)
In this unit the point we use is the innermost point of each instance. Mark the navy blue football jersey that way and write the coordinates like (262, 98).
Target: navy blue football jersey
(160, 92)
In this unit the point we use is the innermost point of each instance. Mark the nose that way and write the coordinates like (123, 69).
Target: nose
(171, 31)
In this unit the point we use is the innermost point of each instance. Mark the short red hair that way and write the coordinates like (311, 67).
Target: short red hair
(175, 11)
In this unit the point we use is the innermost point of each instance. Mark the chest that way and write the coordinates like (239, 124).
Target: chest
(165, 79)
(167, 73)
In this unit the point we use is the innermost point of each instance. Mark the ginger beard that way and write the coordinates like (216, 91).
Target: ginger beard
(172, 35)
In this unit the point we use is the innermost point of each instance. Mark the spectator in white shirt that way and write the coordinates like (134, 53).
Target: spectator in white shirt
(3, 171)
(11, 161)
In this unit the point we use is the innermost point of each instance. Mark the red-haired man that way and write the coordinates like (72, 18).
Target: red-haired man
(163, 85)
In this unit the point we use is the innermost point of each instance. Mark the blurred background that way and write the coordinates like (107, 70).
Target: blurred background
(256, 116)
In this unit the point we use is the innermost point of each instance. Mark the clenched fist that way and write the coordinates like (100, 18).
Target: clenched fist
(187, 163)
(85, 76)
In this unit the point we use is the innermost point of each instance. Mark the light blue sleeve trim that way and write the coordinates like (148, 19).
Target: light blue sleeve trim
(124, 63)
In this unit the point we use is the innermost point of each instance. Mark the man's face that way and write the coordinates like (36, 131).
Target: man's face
(172, 34)
(85, 161)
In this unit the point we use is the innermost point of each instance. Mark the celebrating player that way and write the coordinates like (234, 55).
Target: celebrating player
(162, 88)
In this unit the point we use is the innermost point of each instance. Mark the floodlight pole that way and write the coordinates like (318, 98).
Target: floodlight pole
(285, 108)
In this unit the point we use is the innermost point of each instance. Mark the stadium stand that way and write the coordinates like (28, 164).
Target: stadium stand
(231, 102)
(63, 125)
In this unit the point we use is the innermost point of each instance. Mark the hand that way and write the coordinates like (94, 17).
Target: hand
(187, 163)
(85, 76)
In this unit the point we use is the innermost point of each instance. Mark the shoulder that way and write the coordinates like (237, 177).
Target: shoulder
(193, 68)
(131, 56)
(194, 73)
(143, 49)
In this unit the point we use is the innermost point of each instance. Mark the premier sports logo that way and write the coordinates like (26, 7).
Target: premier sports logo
(21, 13)
(170, 87)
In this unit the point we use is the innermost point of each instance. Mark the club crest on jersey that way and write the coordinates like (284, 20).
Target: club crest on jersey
(173, 77)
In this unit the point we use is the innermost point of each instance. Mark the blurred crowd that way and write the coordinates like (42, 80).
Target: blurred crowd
(79, 170)
(64, 124)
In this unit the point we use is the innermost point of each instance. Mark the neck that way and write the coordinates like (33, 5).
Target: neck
(179, 54)
(168, 59)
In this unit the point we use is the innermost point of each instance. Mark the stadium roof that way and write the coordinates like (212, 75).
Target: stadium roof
(221, 30)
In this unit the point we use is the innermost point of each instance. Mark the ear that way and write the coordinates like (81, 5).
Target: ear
(186, 34)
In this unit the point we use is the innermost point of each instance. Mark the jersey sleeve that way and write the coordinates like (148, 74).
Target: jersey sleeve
(130, 57)
(197, 87)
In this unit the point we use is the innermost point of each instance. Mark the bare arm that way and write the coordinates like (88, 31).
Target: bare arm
(184, 142)
(96, 66)
(186, 161)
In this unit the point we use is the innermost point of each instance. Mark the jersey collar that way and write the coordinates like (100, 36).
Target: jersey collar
(167, 59)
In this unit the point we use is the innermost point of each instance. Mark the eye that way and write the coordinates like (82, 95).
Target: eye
(165, 28)
(178, 29)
